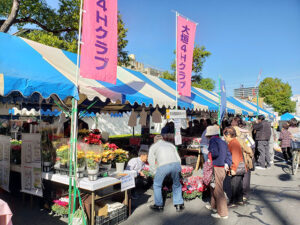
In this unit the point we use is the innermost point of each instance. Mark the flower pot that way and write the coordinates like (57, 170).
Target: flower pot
(106, 166)
(120, 167)
(80, 171)
(93, 173)
(47, 166)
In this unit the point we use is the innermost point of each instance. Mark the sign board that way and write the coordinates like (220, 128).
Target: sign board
(31, 173)
(4, 162)
(176, 114)
(127, 182)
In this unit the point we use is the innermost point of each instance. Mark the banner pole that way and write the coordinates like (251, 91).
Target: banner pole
(73, 138)
(176, 64)
(219, 114)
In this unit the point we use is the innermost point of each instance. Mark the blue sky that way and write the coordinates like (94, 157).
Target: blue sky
(244, 36)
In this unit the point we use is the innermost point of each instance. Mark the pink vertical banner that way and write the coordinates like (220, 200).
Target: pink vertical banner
(99, 50)
(184, 54)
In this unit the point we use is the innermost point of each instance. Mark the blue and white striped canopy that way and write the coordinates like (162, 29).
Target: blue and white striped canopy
(28, 67)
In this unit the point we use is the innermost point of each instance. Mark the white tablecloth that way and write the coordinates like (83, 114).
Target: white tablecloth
(85, 183)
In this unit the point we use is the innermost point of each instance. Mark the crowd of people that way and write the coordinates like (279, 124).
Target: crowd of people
(232, 151)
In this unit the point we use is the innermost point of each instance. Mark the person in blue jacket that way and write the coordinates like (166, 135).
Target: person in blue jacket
(222, 160)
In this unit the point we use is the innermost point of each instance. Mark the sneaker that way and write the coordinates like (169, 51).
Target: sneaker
(210, 208)
(245, 199)
(260, 168)
(157, 208)
(179, 208)
(217, 216)
(231, 205)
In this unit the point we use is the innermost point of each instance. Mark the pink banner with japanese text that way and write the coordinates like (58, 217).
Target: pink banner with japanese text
(184, 54)
(99, 49)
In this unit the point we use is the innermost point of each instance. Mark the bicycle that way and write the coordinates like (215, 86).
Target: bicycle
(295, 156)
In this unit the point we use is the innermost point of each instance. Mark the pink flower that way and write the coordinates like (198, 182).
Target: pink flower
(165, 189)
(184, 189)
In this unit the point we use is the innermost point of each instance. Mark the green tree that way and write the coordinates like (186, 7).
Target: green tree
(199, 57)
(55, 27)
(278, 94)
(167, 75)
(205, 83)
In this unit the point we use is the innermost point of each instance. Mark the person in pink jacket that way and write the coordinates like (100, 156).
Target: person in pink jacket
(285, 138)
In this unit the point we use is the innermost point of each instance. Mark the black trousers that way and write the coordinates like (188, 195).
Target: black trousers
(287, 153)
(236, 189)
(246, 184)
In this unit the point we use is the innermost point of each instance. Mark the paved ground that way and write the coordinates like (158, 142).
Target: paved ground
(275, 200)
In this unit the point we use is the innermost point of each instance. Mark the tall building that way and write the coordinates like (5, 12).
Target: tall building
(296, 98)
(246, 93)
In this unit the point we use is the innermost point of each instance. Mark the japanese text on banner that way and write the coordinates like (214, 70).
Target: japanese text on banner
(184, 54)
(99, 53)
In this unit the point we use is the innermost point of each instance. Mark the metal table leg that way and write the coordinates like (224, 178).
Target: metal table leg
(93, 209)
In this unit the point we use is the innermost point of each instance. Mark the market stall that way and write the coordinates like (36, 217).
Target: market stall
(44, 146)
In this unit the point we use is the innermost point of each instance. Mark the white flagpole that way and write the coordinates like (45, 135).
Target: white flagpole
(176, 65)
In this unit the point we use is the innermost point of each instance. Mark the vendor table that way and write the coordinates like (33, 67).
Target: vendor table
(93, 187)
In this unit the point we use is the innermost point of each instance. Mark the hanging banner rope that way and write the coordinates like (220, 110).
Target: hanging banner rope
(186, 30)
(99, 49)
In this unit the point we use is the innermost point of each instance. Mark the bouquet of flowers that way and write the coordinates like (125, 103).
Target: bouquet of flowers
(121, 155)
(60, 206)
(186, 171)
(46, 155)
(108, 156)
(92, 159)
(94, 138)
(62, 154)
(111, 146)
(146, 171)
(80, 158)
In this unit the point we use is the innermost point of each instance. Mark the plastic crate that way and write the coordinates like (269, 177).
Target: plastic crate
(114, 217)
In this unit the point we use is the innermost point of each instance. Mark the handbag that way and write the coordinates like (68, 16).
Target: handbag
(241, 170)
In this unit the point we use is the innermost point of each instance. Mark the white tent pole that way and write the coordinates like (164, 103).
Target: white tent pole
(176, 64)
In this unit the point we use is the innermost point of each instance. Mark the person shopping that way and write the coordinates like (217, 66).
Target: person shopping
(285, 138)
(237, 158)
(262, 129)
(163, 160)
(221, 159)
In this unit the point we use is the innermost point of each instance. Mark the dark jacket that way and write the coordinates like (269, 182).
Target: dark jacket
(263, 131)
(219, 152)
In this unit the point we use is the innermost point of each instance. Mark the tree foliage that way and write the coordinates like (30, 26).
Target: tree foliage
(278, 94)
(55, 27)
(205, 83)
(167, 75)
(199, 57)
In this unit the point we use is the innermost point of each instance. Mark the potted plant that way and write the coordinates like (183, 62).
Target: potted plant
(46, 156)
(62, 157)
(92, 163)
(121, 156)
(80, 163)
(60, 207)
(107, 158)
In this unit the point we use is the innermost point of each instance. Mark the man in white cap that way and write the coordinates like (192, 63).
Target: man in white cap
(163, 160)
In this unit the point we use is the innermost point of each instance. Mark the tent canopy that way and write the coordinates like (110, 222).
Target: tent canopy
(288, 116)
(28, 67)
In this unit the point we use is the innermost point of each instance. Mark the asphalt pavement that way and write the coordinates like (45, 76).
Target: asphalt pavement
(274, 200)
